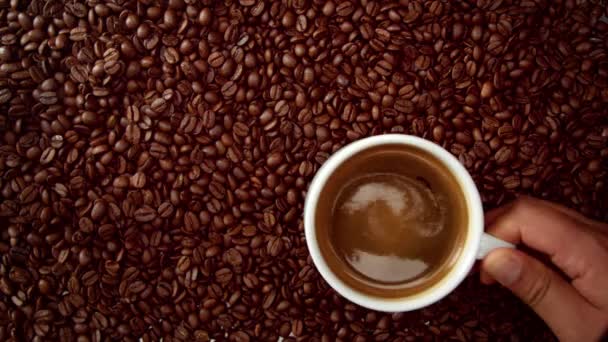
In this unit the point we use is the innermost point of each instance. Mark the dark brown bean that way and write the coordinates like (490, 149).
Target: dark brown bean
(145, 214)
(138, 180)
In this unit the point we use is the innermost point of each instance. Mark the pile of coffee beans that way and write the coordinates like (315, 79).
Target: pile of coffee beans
(155, 154)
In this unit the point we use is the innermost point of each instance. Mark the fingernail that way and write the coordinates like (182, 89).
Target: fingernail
(506, 269)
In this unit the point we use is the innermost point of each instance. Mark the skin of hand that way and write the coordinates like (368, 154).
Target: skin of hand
(574, 304)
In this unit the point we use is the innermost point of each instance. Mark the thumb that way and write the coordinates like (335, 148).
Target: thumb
(526, 277)
(547, 293)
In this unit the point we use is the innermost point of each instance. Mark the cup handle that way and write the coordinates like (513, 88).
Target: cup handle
(489, 243)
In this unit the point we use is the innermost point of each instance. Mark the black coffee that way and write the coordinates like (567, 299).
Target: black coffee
(391, 221)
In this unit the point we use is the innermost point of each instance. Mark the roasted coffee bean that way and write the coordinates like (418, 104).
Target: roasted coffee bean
(165, 210)
(138, 180)
(98, 210)
(216, 59)
(144, 214)
(229, 89)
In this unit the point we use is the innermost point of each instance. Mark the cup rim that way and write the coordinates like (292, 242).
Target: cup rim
(463, 264)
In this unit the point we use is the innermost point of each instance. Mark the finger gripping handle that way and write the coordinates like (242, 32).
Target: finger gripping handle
(489, 243)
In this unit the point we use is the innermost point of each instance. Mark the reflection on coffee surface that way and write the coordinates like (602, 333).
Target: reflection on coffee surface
(393, 219)
(381, 222)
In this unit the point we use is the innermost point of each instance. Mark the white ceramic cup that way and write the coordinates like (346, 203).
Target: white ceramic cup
(476, 246)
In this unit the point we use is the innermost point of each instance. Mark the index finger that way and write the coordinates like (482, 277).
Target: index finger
(493, 214)
(567, 241)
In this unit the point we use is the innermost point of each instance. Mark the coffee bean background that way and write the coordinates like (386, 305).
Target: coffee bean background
(155, 155)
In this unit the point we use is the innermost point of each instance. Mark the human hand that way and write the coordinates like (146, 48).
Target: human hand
(574, 305)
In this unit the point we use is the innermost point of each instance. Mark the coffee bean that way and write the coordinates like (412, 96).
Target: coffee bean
(481, 149)
(404, 105)
(438, 133)
(205, 16)
(274, 159)
(229, 89)
(258, 9)
(503, 155)
(191, 222)
(233, 257)
(145, 214)
(216, 59)
(275, 246)
(345, 8)
(165, 210)
(138, 180)
(84, 257)
(301, 23)
(223, 275)
(241, 129)
(5, 95)
(158, 105)
(99, 209)
(47, 155)
(288, 19)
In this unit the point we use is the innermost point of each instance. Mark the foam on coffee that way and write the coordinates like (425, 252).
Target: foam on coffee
(393, 221)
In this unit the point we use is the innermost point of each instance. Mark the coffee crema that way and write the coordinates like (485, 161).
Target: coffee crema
(391, 221)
